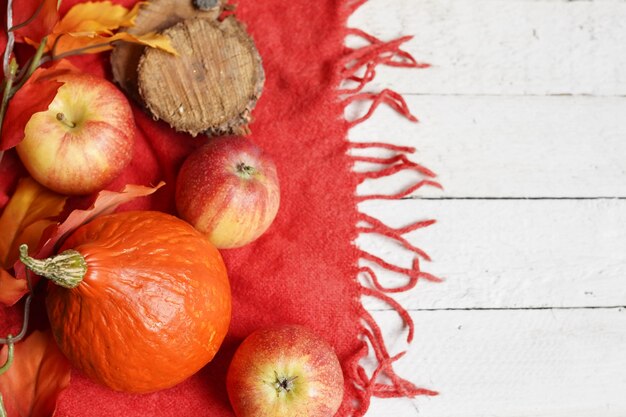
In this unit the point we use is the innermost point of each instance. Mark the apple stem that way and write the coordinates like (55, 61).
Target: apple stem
(245, 170)
(283, 383)
(61, 118)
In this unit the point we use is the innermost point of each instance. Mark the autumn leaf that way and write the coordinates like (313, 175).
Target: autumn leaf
(91, 27)
(152, 39)
(35, 96)
(30, 210)
(95, 44)
(11, 289)
(34, 19)
(38, 375)
(100, 17)
(106, 202)
(55, 233)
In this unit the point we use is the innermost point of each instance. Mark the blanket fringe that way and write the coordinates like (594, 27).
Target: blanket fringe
(369, 57)
(359, 66)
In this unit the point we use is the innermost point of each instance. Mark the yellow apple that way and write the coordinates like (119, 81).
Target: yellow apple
(228, 189)
(83, 140)
(285, 371)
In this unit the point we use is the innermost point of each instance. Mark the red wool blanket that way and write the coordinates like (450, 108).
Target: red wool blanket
(305, 268)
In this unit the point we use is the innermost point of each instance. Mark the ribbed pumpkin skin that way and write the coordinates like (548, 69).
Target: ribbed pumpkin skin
(153, 308)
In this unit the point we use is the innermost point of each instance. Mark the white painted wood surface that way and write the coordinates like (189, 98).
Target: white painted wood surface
(510, 146)
(522, 116)
(511, 253)
(498, 47)
(514, 363)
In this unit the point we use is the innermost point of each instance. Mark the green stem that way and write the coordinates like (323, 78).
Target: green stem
(80, 50)
(66, 269)
(9, 360)
(3, 412)
(6, 93)
(10, 340)
(4, 368)
(32, 66)
(5, 98)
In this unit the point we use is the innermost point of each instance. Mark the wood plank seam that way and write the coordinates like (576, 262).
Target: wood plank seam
(615, 307)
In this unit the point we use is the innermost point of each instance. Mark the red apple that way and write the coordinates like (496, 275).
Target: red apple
(228, 189)
(285, 371)
(84, 139)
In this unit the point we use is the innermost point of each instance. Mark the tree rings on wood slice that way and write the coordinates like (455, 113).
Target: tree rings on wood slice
(155, 16)
(211, 86)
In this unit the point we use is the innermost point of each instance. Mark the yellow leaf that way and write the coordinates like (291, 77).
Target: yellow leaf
(96, 17)
(106, 202)
(153, 40)
(81, 43)
(91, 28)
(26, 216)
(95, 43)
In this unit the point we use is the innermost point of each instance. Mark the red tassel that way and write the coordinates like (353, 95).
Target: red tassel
(406, 59)
(401, 230)
(413, 279)
(376, 282)
(397, 231)
(404, 164)
(412, 272)
(382, 145)
(402, 312)
(382, 229)
(359, 65)
(353, 5)
(356, 369)
(372, 55)
(403, 389)
(401, 194)
(399, 387)
(389, 97)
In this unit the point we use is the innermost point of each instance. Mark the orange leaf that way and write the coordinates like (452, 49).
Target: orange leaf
(11, 289)
(38, 375)
(86, 42)
(35, 96)
(90, 28)
(25, 217)
(91, 43)
(106, 202)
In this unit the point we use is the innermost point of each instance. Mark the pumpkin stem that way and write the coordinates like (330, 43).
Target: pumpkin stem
(66, 269)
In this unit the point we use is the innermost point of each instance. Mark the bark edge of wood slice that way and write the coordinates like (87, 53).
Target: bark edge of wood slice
(153, 16)
(211, 86)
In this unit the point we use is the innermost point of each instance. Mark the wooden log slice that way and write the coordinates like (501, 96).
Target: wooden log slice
(155, 16)
(211, 86)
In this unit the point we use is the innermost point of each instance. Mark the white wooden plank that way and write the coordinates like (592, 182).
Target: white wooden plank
(559, 363)
(509, 253)
(504, 47)
(508, 146)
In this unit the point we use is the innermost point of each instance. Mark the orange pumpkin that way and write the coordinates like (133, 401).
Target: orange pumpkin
(142, 300)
